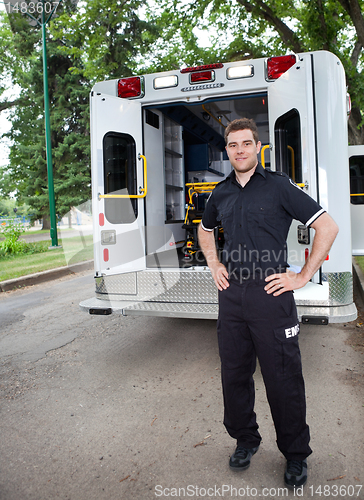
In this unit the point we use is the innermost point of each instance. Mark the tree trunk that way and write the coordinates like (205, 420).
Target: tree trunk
(356, 132)
(46, 222)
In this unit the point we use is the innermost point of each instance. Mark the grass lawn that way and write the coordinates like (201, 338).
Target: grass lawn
(39, 231)
(360, 260)
(30, 233)
(73, 250)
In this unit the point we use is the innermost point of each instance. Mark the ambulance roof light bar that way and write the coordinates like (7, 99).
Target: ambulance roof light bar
(202, 76)
(202, 68)
(276, 66)
(164, 82)
(244, 71)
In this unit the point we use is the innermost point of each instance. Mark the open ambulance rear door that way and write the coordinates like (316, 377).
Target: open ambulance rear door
(119, 184)
(308, 128)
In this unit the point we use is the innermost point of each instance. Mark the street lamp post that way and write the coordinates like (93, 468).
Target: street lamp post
(52, 201)
(29, 10)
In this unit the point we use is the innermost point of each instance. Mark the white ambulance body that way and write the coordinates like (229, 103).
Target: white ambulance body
(356, 166)
(153, 135)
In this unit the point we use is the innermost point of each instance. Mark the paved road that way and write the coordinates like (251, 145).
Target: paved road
(123, 408)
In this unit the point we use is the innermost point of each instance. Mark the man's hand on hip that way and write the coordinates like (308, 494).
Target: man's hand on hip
(284, 282)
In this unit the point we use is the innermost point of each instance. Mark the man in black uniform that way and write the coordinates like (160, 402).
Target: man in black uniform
(257, 312)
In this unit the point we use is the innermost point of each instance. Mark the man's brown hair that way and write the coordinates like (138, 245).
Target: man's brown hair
(242, 124)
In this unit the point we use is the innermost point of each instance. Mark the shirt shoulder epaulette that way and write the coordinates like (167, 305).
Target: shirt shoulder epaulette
(287, 181)
(281, 177)
(277, 172)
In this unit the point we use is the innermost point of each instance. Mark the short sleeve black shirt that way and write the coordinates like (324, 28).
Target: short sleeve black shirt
(256, 219)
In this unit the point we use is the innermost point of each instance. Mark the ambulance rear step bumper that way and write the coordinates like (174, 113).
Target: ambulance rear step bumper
(163, 309)
(309, 314)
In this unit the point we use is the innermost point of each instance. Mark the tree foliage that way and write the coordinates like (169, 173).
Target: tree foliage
(101, 38)
(108, 36)
(244, 29)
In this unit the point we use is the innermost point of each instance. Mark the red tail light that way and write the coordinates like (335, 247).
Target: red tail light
(130, 87)
(276, 66)
(201, 68)
(202, 76)
(106, 254)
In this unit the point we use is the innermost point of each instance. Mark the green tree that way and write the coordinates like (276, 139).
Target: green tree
(244, 29)
(27, 171)
(100, 39)
(7, 207)
(110, 36)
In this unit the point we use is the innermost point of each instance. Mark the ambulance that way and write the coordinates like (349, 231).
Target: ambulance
(356, 166)
(158, 151)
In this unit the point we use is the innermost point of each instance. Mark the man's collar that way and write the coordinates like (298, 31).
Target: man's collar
(258, 170)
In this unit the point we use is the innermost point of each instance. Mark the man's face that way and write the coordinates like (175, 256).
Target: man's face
(242, 150)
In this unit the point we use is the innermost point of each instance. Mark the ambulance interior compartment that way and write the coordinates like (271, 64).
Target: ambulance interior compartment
(184, 144)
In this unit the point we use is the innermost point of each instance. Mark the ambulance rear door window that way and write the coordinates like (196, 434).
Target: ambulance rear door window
(356, 164)
(288, 145)
(120, 177)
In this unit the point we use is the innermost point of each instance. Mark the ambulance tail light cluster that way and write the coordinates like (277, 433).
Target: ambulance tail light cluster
(132, 86)
(202, 68)
(277, 66)
(235, 72)
(165, 82)
(202, 74)
(348, 104)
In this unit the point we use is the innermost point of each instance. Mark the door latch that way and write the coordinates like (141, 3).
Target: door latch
(303, 235)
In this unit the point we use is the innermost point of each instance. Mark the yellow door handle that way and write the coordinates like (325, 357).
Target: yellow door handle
(142, 191)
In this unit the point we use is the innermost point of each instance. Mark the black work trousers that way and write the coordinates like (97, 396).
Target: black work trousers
(251, 325)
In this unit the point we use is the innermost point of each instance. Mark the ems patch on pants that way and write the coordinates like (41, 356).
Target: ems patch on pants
(287, 351)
